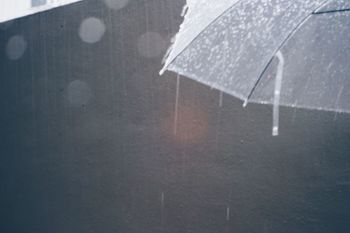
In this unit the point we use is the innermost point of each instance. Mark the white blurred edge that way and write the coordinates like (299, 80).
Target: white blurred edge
(13, 9)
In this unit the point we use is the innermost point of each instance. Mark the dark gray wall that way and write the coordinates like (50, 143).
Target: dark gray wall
(100, 154)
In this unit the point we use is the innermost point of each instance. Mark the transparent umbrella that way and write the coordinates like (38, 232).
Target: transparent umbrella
(281, 52)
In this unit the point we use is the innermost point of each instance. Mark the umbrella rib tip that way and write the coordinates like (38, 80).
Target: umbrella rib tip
(161, 72)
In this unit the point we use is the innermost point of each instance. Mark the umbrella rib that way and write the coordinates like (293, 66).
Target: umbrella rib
(273, 56)
(199, 34)
(330, 11)
(275, 52)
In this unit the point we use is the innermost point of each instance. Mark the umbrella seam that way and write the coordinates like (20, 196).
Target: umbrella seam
(281, 45)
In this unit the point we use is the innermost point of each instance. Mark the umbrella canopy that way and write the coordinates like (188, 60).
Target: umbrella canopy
(281, 52)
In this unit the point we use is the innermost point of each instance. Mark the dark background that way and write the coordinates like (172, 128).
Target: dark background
(100, 154)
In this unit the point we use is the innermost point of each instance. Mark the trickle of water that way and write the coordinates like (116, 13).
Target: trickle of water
(337, 102)
(245, 103)
(162, 199)
(162, 208)
(277, 94)
(228, 213)
(221, 98)
(177, 103)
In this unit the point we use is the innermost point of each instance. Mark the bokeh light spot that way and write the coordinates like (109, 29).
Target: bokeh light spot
(151, 44)
(116, 4)
(92, 30)
(192, 125)
(16, 47)
(79, 93)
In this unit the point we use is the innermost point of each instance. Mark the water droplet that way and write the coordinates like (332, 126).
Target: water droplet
(116, 4)
(79, 93)
(92, 30)
(151, 44)
(16, 46)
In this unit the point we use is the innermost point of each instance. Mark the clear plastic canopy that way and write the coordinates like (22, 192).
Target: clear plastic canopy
(198, 15)
(231, 53)
(316, 70)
